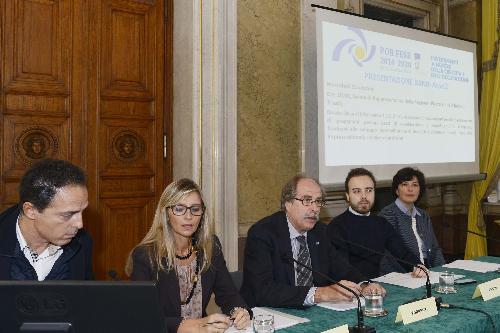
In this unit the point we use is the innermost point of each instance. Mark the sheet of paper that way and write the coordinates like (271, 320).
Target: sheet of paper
(473, 265)
(341, 305)
(407, 281)
(281, 320)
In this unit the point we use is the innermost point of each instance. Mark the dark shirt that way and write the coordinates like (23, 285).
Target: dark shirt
(372, 232)
(75, 263)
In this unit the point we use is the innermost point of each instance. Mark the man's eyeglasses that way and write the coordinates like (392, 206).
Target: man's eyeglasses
(180, 209)
(310, 201)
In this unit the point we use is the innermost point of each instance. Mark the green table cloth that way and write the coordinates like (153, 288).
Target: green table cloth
(448, 320)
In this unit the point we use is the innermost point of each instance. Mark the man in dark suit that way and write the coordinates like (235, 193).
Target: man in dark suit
(41, 238)
(270, 279)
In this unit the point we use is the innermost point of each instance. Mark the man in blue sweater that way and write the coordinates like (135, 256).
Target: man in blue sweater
(356, 231)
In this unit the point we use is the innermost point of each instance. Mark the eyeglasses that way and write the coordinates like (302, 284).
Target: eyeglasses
(309, 201)
(180, 209)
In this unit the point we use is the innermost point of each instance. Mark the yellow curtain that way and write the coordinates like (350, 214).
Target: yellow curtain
(489, 126)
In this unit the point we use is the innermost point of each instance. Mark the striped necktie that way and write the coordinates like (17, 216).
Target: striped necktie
(304, 276)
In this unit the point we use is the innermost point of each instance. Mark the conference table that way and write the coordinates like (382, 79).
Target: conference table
(447, 320)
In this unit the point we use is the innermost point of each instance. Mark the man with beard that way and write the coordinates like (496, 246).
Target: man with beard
(271, 278)
(356, 231)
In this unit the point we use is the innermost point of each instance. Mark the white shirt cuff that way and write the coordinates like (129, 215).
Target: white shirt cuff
(309, 300)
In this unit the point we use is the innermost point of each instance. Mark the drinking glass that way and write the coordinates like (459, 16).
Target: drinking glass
(263, 323)
(374, 304)
(446, 283)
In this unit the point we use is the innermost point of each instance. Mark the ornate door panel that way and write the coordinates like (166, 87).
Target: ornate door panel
(126, 103)
(36, 88)
(85, 81)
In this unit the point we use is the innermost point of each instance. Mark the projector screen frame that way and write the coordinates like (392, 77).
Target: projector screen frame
(310, 146)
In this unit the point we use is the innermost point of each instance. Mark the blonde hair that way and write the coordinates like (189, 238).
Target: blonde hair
(159, 242)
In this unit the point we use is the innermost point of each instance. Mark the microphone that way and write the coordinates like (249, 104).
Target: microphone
(360, 327)
(113, 275)
(428, 285)
(448, 225)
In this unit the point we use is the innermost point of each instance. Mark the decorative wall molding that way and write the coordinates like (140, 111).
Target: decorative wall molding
(453, 3)
(209, 109)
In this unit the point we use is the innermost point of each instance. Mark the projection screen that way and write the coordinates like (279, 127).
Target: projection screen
(391, 96)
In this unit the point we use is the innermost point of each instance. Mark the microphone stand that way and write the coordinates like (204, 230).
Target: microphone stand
(360, 327)
(448, 225)
(428, 285)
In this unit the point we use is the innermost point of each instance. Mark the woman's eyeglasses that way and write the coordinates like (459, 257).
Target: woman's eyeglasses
(180, 209)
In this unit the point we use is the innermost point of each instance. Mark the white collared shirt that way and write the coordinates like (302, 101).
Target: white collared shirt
(43, 262)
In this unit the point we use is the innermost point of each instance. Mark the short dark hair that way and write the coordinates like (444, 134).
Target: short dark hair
(44, 178)
(356, 173)
(289, 191)
(406, 174)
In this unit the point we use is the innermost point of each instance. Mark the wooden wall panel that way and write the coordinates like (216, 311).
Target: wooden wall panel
(35, 66)
(85, 81)
(25, 142)
(129, 97)
(127, 220)
(129, 47)
(37, 46)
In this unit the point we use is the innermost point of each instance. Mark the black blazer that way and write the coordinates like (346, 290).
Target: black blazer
(216, 279)
(77, 253)
(269, 279)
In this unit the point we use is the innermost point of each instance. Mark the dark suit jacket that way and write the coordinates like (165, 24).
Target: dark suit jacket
(77, 253)
(269, 279)
(216, 279)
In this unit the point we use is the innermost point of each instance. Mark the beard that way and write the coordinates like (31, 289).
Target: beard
(362, 207)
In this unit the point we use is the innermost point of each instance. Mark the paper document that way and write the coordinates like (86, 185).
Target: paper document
(473, 265)
(342, 305)
(281, 320)
(407, 281)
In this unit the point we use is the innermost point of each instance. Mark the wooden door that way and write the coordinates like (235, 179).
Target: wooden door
(90, 82)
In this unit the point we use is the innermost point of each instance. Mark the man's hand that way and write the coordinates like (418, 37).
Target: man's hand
(419, 271)
(369, 288)
(336, 293)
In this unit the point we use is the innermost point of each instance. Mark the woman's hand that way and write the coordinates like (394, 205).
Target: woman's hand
(240, 317)
(214, 323)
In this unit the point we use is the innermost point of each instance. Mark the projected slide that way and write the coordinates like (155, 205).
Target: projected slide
(394, 100)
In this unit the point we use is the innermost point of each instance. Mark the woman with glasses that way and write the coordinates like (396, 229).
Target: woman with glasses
(182, 254)
(412, 223)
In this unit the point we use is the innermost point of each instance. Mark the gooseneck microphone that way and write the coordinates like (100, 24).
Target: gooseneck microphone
(360, 327)
(448, 225)
(113, 275)
(428, 285)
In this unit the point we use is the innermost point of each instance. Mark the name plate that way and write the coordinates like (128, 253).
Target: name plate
(488, 290)
(412, 312)
(340, 329)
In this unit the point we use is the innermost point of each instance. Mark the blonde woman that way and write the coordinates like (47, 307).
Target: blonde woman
(182, 254)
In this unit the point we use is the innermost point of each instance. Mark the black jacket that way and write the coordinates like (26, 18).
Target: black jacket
(269, 278)
(214, 280)
(74, 264)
